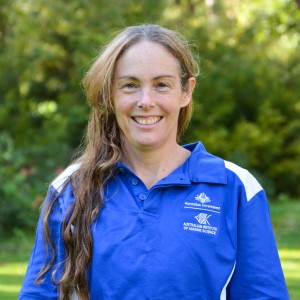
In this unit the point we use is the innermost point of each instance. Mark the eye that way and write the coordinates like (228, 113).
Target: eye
(129, 86)
(162, 85)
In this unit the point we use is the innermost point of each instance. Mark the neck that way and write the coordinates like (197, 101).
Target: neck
(154, 164)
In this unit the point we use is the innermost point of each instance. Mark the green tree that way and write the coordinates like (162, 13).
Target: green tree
(247, 105)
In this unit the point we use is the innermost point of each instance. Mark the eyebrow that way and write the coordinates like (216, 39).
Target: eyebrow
(155, 78)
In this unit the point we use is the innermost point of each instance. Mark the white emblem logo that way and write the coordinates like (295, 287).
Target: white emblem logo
(202, 198)
(203, 218)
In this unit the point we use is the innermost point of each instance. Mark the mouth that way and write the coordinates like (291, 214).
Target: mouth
(146, 120)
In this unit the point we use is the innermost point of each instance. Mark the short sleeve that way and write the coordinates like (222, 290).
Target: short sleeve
(45, 290)
(258, 273)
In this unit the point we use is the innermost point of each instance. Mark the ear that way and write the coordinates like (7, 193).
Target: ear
(188, 91)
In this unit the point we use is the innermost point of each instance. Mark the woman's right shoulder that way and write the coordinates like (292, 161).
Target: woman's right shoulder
(61, 189)
(59, 182)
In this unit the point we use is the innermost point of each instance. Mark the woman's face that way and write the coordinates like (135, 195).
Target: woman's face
(148, 96)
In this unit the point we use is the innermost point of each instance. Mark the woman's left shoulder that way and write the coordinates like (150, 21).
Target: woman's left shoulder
(248, 181)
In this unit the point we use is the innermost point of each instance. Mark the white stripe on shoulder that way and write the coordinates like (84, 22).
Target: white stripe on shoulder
(252, 186)
(59, 181)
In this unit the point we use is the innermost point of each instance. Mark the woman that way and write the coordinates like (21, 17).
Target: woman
(139, 216)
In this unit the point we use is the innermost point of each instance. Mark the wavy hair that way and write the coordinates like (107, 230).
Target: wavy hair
(102, 150)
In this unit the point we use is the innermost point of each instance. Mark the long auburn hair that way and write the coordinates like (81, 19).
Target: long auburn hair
(102, 150)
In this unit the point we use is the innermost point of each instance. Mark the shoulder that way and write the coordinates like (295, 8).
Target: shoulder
(59, 182)
(206, 167)
(62, 190)
(249, 182)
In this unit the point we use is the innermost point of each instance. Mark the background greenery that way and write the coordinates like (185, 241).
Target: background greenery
(247, 100)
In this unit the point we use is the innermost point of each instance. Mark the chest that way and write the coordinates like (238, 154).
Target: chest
(166, 234)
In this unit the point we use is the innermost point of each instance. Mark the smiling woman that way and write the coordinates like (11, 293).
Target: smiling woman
(148, 96)
(138, 216)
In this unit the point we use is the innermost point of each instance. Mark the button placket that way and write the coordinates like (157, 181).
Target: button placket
(134, 181)
(139, 190)
(142, 196)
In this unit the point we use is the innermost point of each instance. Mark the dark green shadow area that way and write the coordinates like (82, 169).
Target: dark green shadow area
(10, 279)
(293, 287)
(9, 295)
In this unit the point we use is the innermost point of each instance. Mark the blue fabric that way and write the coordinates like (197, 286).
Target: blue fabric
(179, 240)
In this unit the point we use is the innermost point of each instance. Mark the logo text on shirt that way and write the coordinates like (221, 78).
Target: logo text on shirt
(201, 228)
(206, 217)
(203, 205)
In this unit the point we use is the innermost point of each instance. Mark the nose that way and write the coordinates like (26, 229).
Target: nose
(146, 100)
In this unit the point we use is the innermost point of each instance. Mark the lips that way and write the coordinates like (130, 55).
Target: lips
(147, 120)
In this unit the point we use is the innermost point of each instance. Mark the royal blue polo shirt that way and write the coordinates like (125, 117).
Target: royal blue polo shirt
(202, 232)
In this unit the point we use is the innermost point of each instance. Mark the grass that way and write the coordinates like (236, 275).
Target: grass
(11, 276)
(286, 221)
(14, 253)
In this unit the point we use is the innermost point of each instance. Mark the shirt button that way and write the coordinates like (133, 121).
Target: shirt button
(142, 196)
(134, 181)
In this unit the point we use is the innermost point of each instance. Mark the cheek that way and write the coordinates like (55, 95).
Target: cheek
(122, 103)
(119, 117)
(118, 106)
(122, 112)
(177, 103)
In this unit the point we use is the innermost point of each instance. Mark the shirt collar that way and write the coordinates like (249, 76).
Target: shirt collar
(201, 166)
(205, 167)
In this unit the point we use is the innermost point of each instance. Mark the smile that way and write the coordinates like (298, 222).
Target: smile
(146, 121)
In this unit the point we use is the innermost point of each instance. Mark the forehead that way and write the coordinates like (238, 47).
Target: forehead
(147, 56)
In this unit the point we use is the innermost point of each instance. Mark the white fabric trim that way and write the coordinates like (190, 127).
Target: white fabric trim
(252, 187)
(223, 294)
(58, 183)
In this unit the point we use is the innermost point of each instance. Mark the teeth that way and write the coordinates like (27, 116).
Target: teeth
(147, 121)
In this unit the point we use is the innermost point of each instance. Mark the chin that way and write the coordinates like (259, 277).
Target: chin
(147, 143)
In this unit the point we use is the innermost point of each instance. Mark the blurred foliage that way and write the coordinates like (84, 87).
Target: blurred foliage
(247, 98)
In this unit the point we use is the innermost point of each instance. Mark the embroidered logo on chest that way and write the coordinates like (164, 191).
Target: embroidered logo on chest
(207, 217)
(203, 218)
(202, 198)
